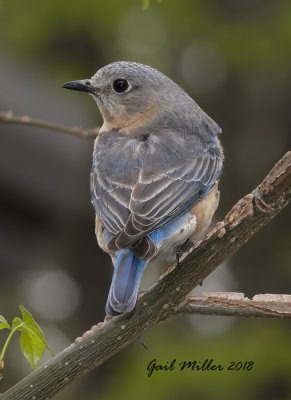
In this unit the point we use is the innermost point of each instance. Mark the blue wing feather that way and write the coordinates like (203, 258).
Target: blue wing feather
(137, 187)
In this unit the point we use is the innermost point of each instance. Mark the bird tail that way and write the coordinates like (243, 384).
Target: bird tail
(125, 283)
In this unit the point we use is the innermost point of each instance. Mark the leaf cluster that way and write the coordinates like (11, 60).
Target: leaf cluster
(32, 339)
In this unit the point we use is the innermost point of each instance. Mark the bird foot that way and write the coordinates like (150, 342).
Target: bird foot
(181, 249)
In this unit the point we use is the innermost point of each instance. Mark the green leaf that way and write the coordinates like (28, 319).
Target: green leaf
(3, 320)
(16, 322)
(3, 323)
(32, 339)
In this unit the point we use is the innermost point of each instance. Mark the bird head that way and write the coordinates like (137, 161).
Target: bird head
(129, 93)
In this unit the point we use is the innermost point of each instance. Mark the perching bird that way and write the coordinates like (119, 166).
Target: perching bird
(156, 165)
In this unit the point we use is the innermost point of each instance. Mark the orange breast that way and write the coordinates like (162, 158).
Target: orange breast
(205, 208)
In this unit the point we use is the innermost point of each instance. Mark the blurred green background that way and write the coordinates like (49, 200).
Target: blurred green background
(234, 59)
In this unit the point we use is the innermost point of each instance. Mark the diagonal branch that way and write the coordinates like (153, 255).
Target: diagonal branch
(249, 215)
(237, 305)
(7, 117)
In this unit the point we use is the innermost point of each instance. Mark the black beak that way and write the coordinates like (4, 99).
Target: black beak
(83, 85)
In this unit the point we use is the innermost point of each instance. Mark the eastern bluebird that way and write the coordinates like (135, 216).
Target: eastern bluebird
(156, 165)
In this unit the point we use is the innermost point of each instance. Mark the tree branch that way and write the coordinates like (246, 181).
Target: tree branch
(7, 117)
(237, 305)
(169, 293)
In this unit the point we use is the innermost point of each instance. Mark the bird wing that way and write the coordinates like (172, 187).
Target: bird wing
(117, 162)
(177, 170)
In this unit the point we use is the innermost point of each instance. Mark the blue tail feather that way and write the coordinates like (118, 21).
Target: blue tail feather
(125, 283)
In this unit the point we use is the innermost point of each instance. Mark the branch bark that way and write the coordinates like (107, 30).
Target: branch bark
(7, 117)
(237, 305)
(169, 293)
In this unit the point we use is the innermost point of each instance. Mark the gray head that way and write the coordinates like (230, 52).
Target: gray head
(130, 95)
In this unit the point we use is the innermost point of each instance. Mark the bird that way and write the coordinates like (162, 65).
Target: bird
(157, 161)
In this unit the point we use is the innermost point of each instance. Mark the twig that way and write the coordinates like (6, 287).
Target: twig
(169, 293)
(237, 305)
(7, 117)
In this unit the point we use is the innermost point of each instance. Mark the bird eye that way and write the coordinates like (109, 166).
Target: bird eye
(120, 85)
